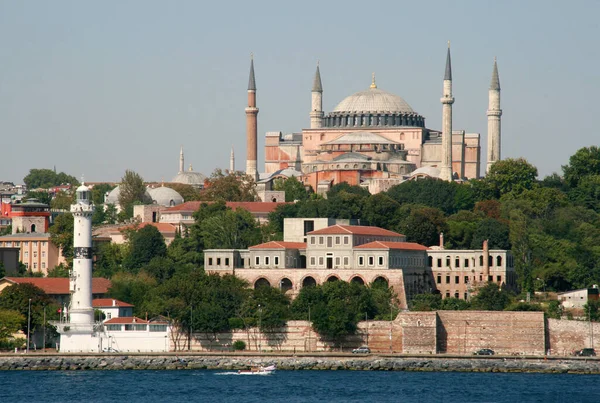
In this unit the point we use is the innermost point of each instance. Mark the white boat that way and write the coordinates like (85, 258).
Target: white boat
(258, 370)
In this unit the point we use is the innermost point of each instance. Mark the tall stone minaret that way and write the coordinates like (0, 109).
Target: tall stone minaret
(251, 125)
(81, 311)
(232, 161)
(181, 165)
(494, 113)
(447, 101)
(316, 111)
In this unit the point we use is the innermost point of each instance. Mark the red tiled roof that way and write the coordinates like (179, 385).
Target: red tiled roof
(126, 320)
(108, 302)
(160, 226)
(393, 245)
(280, 245)
(253, 207)
(60, 285)
(354, 229)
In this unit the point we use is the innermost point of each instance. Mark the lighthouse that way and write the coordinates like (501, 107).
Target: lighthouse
(80, 285)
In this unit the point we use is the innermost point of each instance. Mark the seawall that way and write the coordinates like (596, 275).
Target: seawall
(44, 362)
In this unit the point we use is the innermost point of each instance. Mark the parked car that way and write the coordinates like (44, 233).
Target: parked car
(362, 350)
(586, 352)
(484, 351)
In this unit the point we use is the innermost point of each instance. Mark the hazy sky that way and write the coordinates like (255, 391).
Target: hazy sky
(99, 87)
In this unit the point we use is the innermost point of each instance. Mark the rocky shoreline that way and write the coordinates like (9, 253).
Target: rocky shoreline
(45, 362)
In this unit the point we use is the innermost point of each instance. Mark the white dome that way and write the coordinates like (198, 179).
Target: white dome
(189, 178)
(373, 100)
(165, 196)
(113, 196)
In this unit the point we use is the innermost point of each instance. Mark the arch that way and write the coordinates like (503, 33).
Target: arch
(32, 228)
(357, 280)
(309, 282)
(498, 260)
(480, 260)
(285, 284)
(490, 261)
(332, 278)
(381, 281)
(261, 282)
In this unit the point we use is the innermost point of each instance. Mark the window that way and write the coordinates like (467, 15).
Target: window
(312, 240)
(346, 261)
(108, 315)
(456, 295)
(430, 261)
(35, 254)
(447, 294)
(321, 261)
(447, 279)
(329, 242)
(218, 261)
(313, 261)
(35, 265)
(361, 260)
(321, 240)
(26, 254)
(490, 278)
(439, 263)
(466, 296)
(337, 261)
(480, 260)
(267, 260)
(499, 279)
(337, 240)
(371, 260)
(34, 244)
(128, 327)
(158, 328)
(43, 253)
(466, 279)
(380, 261)
(257, 260)
(276, 260)
(457, 262)
(210, 261)
(25, 243)
(499, 261)
(448, 261)
(226, 261)
(439, 279)
(114, 327)
(43, 265)
(466, 262)
(456, 279)
(346, 240)
(27, 265)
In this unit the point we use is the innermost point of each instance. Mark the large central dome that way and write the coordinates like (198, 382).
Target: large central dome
(373, 100)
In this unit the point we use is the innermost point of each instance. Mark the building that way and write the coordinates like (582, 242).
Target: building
(9, 258)
(360, 254)
(117, 233)
(373, 138)
(578, 298)
(36, 250)
(28, 217)
(189, 177)
(112, 308)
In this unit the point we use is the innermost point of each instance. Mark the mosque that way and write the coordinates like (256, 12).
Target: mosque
(372, 138)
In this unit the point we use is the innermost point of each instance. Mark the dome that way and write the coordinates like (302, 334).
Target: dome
(190, 178)
(113, 196)
(165, 196)
(373, 100)
(361, 138)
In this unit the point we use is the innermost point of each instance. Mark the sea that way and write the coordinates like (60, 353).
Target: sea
(293, 386)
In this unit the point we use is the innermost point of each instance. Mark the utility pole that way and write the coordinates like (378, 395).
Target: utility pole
(28, 323)
(259, 331)
(44, 343)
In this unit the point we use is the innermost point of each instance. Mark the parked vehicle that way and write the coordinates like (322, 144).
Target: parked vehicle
(586, 352)
(484, 351)
(362, 350)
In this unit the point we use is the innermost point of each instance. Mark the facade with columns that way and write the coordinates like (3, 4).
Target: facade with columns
(373, 137)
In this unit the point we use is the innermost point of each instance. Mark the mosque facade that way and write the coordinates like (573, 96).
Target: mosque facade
(375, 139)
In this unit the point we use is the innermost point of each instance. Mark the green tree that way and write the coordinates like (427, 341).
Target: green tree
(62, 200)
(592, 310)
(144, 245)
(519, 235)
(454, 304)
(461, 228)
(585, 162)
(422, 224)
(188, 192)
(134, 289)
(554, 310)
(268, 307)
(347, 188)
(379, 210)
(58, 271)
(446, 196)
(511, 175)
(10, 323)
(491, 298)
(99, 192)
(109, 259)
(16, 298)
(132, 191)
(426, 302)
(293, 188)
(61, 235)
(232, 186)
(230, 229)
(41, 197)
(46, 178)
(496, 232)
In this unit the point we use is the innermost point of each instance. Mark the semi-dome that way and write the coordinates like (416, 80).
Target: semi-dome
(373, 100)
(165, 196)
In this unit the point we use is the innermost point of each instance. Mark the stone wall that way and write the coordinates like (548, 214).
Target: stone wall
(566, 336)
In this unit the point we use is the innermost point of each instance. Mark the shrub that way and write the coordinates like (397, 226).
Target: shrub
(239, 345)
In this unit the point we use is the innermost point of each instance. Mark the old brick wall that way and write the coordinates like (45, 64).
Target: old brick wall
(463, 332)
(566, 336)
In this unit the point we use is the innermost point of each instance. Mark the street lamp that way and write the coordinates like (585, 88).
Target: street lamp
(28, 323)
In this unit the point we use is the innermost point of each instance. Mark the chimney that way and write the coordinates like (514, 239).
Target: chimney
(114, 302)
(486, 261)
(441, 240)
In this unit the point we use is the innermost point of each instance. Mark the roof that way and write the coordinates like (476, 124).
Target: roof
(162, 227)
(356, 230)
(393, 245)
(280, 245)
(189, 178)
(165, 196)
(495, 84)
(109, 302)
(29, 235)
(448, 72)
(317, 86)
(253, 207)
(59, 285)
(373, 100)
(361, 138)
(126, 320)
(251, 79)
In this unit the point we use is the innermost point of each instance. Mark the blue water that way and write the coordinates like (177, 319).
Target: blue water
(293, 386)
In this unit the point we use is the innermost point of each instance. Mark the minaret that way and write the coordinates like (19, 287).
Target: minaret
(181, 165)
(251, 125)
(494, 113)
(447, 101)
(232, 161)
(316, 111)
(81, 311)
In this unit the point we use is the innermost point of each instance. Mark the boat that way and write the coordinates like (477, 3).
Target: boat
(258, 370)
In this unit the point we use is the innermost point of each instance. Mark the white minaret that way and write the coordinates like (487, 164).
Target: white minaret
(494, 113)
(447, 101)
(181, 165)
(232, 161)
(81, 311)
(316, 110)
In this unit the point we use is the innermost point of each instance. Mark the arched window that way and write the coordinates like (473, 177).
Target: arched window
(32, 228)
(430, 261)
(499, 261)
(480, 260)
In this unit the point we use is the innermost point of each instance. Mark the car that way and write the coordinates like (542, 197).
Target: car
(109, 350)
(586, 352)
(484, 351)
(362, 350)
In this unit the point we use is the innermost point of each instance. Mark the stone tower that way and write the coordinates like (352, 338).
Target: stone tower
(447, 101)
(81, 311)
(251, 125)
(181, 165)
(494, 113)
(232, 161)
(316, 111)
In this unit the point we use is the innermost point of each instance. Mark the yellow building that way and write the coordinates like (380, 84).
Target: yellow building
(37, 252)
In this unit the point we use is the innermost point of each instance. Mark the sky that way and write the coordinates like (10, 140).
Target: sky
(95, 88)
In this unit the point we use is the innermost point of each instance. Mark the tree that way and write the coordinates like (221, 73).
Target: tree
(491, 298)
(188, 192)
(10, 323)
(132, 288)
(62, 200)
(132, 191)
(16, 298)
(426, 302)
(454, 304)
(144, 245)
(61, 235)
(41, 197)
(232, 186)
(511, 175)
(109, 259)
(268, 307)
(230, 229)
(592, 310)
(99, 192)
(293, 188)
(496, 232)
(46, 178)
(461, 228)
(59, 271)
(446, 196)
(585, 162)
(422, 224)
(521, 249)
(346, 187)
